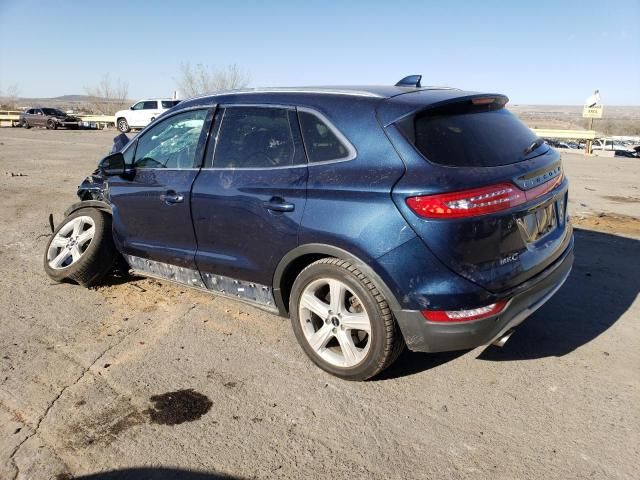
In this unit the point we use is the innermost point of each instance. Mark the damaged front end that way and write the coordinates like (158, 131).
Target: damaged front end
(94, 186)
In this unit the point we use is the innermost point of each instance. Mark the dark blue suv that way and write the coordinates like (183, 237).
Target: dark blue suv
(373, 217)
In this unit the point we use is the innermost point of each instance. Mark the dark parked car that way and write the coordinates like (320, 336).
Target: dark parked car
(50, 118)
(372, 217)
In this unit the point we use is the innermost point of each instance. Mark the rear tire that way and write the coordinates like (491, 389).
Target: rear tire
(123, 125)
(81, 248)
(351, 334)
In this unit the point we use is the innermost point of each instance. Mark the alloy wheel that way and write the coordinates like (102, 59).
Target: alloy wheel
(70, 242)
(335, 322)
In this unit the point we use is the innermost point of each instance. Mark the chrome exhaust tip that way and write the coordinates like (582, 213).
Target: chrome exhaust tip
(500, 341)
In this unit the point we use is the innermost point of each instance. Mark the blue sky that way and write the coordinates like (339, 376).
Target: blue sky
(538, 52)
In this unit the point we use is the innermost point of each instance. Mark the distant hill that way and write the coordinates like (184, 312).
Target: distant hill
(617, 120)
(75, 98)
(62, 99)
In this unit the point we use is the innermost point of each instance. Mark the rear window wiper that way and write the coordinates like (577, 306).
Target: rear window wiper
(537, 143)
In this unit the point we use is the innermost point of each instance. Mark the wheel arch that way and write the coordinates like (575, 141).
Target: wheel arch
(97, 204)
(300, 257)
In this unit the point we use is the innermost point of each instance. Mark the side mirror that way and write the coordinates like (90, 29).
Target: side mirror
(113, 165)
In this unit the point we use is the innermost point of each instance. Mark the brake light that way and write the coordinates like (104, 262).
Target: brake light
(482, 100)
(468, 203)
(454, 316)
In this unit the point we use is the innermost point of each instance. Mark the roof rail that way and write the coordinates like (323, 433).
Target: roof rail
(410, 81)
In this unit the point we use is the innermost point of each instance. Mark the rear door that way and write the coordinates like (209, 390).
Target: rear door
(248, 200)
(152, 207)
(483, 192)
(155, 110)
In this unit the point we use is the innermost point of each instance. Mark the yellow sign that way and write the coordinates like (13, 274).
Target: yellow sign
(592, 112)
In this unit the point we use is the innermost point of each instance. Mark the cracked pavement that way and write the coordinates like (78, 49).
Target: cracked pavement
(78, 366)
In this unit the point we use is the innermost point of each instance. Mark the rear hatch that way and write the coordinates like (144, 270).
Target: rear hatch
(482, 191)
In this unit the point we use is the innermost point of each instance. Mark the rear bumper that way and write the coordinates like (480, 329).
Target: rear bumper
(423, 336)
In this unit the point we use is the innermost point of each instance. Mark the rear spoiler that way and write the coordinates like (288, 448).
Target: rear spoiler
(402, 106)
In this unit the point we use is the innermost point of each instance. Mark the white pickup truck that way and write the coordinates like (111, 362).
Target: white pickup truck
(142, 113)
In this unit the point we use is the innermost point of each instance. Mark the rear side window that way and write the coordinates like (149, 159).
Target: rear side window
(255, 137)
(150, 105)
(478, 138)
(169, 103)
(321, 142)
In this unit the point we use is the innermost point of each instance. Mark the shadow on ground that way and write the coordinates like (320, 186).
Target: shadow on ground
(604, 283)
(151, 474)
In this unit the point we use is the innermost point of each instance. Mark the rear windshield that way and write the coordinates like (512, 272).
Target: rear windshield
(478, 138)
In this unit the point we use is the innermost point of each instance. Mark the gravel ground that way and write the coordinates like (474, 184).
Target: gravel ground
(143, 379)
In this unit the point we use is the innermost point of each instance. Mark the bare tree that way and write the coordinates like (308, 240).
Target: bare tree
(108, 97)
(10, 96)
(199, 79)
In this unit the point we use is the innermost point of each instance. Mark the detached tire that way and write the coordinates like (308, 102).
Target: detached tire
(81, 248)
(342, 321)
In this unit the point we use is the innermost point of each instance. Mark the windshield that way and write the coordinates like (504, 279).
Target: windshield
(53, 111)
(473, 138)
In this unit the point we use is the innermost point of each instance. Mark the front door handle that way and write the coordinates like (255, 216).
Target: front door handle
(278, 204)
(172, 197)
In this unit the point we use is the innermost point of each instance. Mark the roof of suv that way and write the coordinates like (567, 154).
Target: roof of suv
(374, 91)
(391, 102)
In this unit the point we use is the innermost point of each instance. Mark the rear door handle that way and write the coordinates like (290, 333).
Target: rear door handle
(277, 204)
(172, 197)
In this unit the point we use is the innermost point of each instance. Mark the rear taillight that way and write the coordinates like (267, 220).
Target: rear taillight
(477, 201)
(454, 316)
(468, 203)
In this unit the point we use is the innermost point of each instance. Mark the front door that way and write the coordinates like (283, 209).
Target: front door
(248, 201)
(137, 114)
(38, 119)
(151, 206)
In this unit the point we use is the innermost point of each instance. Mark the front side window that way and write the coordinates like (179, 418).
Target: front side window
(138, 106)
(150, 105)
(321, 142)
(255, 137)
(171, 143)
(52, 111)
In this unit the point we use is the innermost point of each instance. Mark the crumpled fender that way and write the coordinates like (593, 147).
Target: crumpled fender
(97, 204)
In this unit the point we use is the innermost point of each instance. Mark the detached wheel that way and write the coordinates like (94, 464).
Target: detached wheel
(81, 248)
(342, 321)
(123, 125)
(25, 124)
